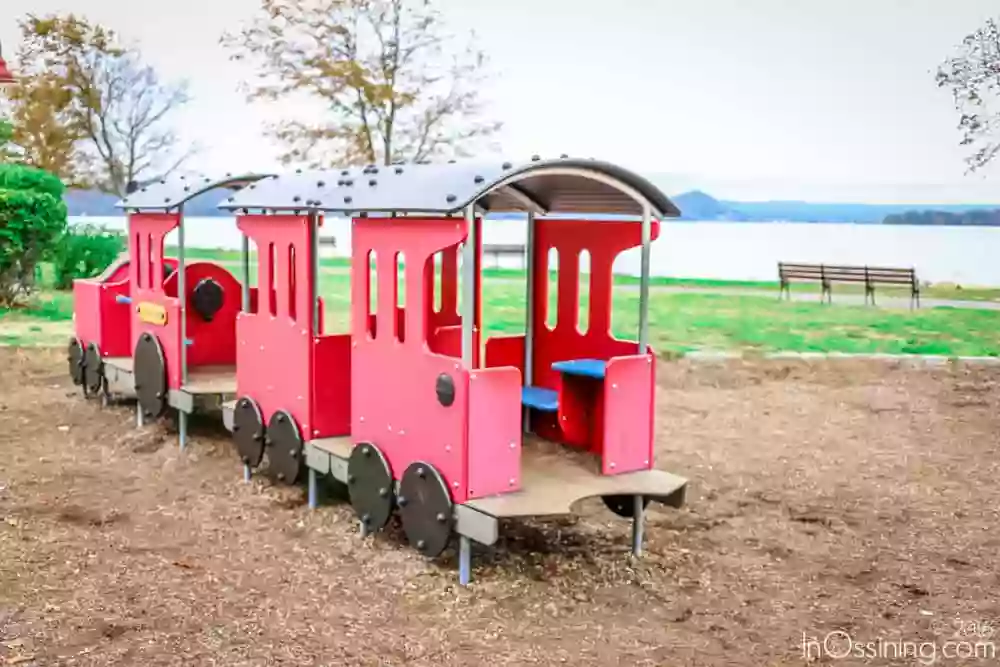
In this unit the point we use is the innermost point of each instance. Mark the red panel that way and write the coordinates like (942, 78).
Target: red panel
(87, 311)
(274, 354)
(579, 401)
(628, 414)
(394, 404)
(494, 457)
(506, 351)
(213, 343)
(146, 261)
(116, 320)
(448, 341)
(331, 392)
(604, 240)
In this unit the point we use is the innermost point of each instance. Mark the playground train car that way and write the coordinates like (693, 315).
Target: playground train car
(411, 408)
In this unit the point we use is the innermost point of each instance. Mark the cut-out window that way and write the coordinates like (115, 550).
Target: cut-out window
(552, 280)
(583, 314)
(459, 277)
(291, 281)
(437, 286)
(272, 267)
(252, 271)
(400, 286)
(148, 263)
(372, 287)
(139, 278)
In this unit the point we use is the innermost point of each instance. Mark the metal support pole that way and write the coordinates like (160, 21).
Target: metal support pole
(182, 293)
(529, 320)
(364, 529)
(138, 416)
(464, 560)
(312, 489)
(469, 287)
(638, 512)
(246, 472)
(314, 268)
(245, 265)
(647, 233)
(182, 428)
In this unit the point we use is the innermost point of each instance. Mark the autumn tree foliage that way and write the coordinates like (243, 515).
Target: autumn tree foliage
(87, 109)
(389, 82)
(973, 76)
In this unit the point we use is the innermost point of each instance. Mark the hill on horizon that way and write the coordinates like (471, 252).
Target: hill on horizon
(694, 205)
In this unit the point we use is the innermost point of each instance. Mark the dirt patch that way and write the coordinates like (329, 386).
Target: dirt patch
(825, 497)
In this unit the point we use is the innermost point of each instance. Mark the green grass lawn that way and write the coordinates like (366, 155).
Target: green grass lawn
(678, 321)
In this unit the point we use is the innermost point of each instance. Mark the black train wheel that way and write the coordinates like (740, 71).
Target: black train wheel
(93, 370)
(426, 509)
(284, 448)
(369, 483)
(150, 376)
(623, 506)
(75, 357)
(248, 431)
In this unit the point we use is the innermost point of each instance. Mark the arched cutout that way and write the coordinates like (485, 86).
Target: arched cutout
(291, 281)
(253, 280)
(139, 279)
(272, 265)
(437, 286)
(459, 278)
(148, 263)
(552, 280)
(400, 287)
(583, 314)
(371, 286)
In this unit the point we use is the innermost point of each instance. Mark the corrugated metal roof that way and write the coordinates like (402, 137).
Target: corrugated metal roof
(174, 191)
(564, 185)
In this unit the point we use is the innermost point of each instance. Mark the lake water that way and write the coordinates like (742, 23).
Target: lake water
(725, 250)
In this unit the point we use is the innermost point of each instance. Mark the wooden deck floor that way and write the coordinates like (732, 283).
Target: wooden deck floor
(553, 479)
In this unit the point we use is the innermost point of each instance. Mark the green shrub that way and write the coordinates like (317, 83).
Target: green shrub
(83, 252)
(32, 220)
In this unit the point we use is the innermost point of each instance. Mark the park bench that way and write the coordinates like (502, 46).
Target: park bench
(869, 276)
(498, 250)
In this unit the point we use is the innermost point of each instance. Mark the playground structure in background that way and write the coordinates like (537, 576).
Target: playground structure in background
(410, 408)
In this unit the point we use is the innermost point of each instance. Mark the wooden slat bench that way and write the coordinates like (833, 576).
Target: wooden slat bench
(498, 250)
(869, 276)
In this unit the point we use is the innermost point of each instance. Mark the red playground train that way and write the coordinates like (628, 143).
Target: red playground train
(411, 408)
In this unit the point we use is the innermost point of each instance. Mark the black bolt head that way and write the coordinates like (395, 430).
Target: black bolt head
(479, 179)
(344, 173)
(402, 501)
(399, 170)
(506, 165)
(320, 184)
(340, 182)
(421, 544)
(564, 156)
(347, 200)
(298, 171)
(450, 198)
(296, 198)
(441, 517)
(421, 473)
(187, 188)
(535, 158)
(349, 182)
(281, 476)
(383, 492)
(372, 183)
(366, 451)
(231, 199)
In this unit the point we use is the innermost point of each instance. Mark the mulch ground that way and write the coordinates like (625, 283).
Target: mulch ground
(849, 497)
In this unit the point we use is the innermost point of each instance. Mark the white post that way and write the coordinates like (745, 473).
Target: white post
(469, 288)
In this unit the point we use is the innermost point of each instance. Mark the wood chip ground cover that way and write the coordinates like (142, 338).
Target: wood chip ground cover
(838, 496)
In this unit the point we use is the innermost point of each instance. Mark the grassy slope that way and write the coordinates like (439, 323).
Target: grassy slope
(678, 321)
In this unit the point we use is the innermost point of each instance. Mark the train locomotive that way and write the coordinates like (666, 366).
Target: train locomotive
(413, 408)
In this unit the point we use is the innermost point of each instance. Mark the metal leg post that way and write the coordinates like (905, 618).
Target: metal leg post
(312, 489)
(138, 416)
(464, 560)
(638, 512)
(246, 472)
(364, 529)
(182, 428)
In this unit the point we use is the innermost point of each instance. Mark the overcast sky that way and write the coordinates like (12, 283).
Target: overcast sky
(754, 99)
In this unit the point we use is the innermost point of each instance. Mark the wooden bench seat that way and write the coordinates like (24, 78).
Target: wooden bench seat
(869, 276)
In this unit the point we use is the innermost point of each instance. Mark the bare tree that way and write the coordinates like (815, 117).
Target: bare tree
(973, 75)
(394, 84)
(87, 109)
(125, 110)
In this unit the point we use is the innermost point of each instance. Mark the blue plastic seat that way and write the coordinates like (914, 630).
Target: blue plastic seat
(593, 368)
(540, 398)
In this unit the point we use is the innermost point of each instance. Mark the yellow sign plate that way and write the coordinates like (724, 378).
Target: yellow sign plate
(152, 313)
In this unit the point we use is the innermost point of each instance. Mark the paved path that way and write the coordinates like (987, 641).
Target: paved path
(843, 299)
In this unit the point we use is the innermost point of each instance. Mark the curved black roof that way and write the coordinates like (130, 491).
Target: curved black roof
(174, 191)
(563, 185)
